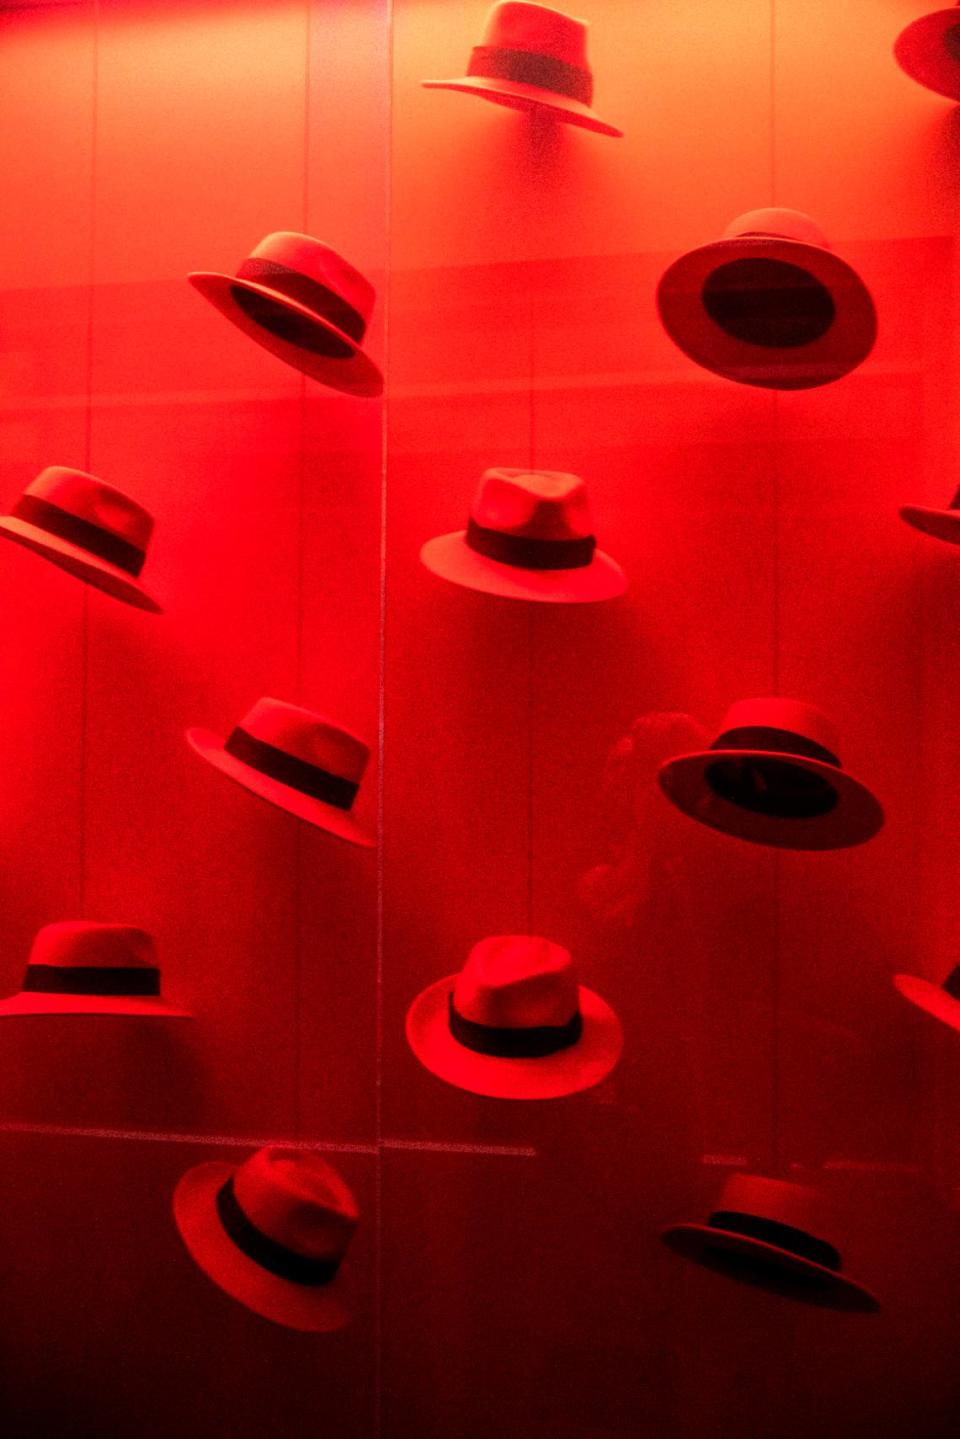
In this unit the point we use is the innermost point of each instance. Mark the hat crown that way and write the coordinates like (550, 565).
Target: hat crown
(537, 504)
(517, 981)
(320, 263)
(82, 943)
(797, 1205)
(779, 222)
(518, 25)
(297, 1199)
(90, 499)
(308, 736)
(792, 717)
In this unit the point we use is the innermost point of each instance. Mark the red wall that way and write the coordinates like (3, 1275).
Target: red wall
(507, 1274)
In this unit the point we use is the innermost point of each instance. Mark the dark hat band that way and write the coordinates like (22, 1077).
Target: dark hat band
(525, 67)
(535, 1042)
(84, 533)
(524, 553)
(90, 979)
(288, 769)
(266, 1252)
(952, 983)
(305, 291)
(784, 1236)
(769, 739)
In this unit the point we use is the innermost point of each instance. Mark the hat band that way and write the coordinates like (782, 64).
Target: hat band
(266, 1252)
(952, 983)
(90, 979)
(784, 1236)
(767, 738)
(305, 291)
(100, 542)
(533, 1042)
(525, 553)
(288, 769)
(526, 67)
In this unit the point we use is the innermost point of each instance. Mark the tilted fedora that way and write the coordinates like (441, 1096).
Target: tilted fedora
(272, 1232)
(940, 1000)
(305, 304)
(777, 1235)
(296, 759)
(769, 304)
(928, 49)
(514, 1023)
(528, 537)
(88, 528)
(772, 776)
(533, 58)
(80, 967)
(941, 524)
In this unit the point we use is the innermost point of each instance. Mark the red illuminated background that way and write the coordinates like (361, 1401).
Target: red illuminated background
(508, 1273)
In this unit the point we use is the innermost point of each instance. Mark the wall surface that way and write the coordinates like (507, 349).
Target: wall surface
(507, 1273)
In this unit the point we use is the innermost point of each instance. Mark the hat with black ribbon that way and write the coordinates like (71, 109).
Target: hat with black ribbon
(273, 1233)
(533, 58)
(529, 537)
(515, 1024)
(928, 50)
(80, 967)
(87, 528)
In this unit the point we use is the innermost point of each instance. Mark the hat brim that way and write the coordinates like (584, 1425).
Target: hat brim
(768, 1267)
(843, 347)
(314, 811)
(296, 1306)
(140, 1006)
(356, 375)
(450, 557)
(79, 562)
(932, 998)
(856, 816)
(921, 52)
(939, 524)
(519, 96)
(569, 1071)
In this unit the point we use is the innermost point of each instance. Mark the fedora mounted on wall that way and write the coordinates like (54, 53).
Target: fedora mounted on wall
(295, 759)
(80, 967)
(305, 304)
(533, 58)
(776, 1235)
(928, 49)
(528, 537)
(515, 1024)
(87, 528)
(940, 524)
(772, 776)
(272, 1233)
(769, 304)
(940, 1000)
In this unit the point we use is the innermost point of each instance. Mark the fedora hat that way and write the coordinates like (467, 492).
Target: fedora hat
(296, 759)
(305, 304)
(772, 776)
(532, 58)
(90, 529)
(79, 967)
(528, 537)
(941, 524)
(928, 49)
(777, 1235)
(769, 304)
(940, 1000)
(272, 1232)
(515, 1024)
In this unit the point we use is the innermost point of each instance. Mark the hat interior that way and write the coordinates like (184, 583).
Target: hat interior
(770, 303)
(290, 325)
(775, 787)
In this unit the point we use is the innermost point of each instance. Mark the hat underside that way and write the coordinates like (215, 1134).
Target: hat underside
(929, 51)
(938, 524)
(933, 999)
(516, 95)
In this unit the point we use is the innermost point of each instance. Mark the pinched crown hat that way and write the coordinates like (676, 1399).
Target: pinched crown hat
(772, 776)
(929, 51)
(305, 304)
(90, 529)
(533, 58)
(272, 1232)
(528, 537)
(941, 524)
(777, 1235)
(769, 304)
(514, 1023)
(80, 967)
(306, 764)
